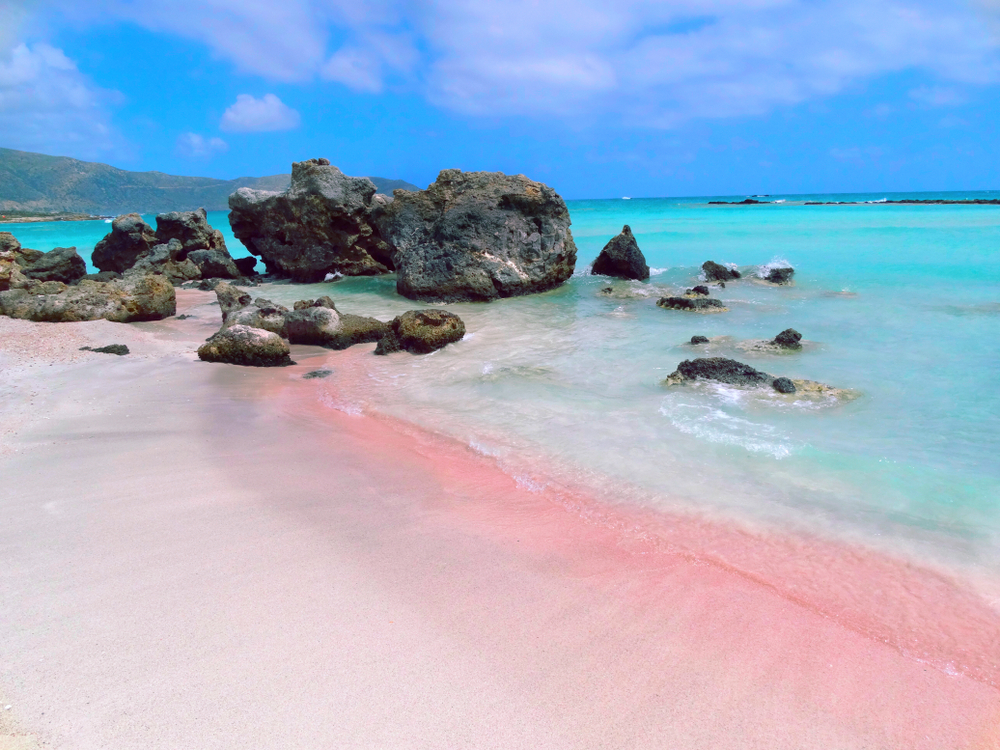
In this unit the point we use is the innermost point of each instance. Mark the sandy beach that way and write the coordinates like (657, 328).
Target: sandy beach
(208, 556)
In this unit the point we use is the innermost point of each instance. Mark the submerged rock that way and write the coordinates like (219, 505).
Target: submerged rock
(789, 339)
(120, 349)
(622, 258)
(478, 236)
(129, 238)
(322, 224)
(717, 272)
(127, 300)
(421, 332)
(250, 347)
(783, 385)
(781, 276)
(720, 370)
(694, 304)
(695, 340)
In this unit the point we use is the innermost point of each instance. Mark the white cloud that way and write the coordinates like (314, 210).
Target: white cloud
(197, 146)
(252, 115)
(48, 105)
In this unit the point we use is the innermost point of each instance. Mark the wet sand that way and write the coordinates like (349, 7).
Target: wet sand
(208, 556)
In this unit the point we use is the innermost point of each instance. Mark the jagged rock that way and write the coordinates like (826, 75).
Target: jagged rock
(120, 349)
(700, 290)
(789, 339)
(695, 304)
(322, 224)
(421, 332)
(243, 345)
(478, 236)
(622, 258)
(246, 266)
(782, 275)
(9, 243)
(720, 370)
(783, 385)
(717, 272)
(695, 340)
(23, 256)
(61, 264)
(262, 313)
(165, 259)
(214, 264)
(11, 272)
(192, 230)
(231, 298)
(130, 299)
(324, 301)
(323, 325)
(130, 237)
(102, 276)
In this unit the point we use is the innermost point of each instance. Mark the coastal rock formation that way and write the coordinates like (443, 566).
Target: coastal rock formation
(261, 313)
(192, 230)
(246, 266)
(231, 298)
(780, 275)
(720, 370)
(243, 345)
(788, 339)
(717, 272)
(61, 264)
(130, 299)
(23, 256)
(421, 332)
(693, 304)
(783, 385)
(478, 236)
(165, 259)
(321, 324)
(322, 224)
(130, 237)
(695, 340)
(622, 258)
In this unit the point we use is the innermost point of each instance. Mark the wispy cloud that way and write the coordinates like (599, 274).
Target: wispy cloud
(197, 146)
(252, 115)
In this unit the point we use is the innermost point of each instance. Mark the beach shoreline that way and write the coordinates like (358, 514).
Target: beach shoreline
(414, 594)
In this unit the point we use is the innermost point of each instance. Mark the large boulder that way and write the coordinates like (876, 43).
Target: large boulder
(231, 298)
(322, 224)
(261, 313)
(478, 236)
(24, 256)
(622, 258)
(717, 272)
(243, 345)
(61, 264)
(214, 264)
(133, 298)
(421, 332)
(166, 258)
(130, 237)
(323, 325)
(192, 230)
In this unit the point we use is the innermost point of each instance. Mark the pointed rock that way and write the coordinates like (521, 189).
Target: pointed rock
(622, 258)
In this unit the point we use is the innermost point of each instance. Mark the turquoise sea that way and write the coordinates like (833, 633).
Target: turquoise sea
(899, 304)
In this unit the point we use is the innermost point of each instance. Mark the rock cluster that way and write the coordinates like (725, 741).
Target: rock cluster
(478, 236)
(622, 258)
(781, 275)
(729, 371)
(693, 304)
(717, 272)
(133, 298)
(322, 224)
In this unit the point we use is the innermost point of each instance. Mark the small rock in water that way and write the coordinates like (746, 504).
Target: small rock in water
(704, 304)
(718, 272)
(183, 317)
(622, 257)
(119, 349)
(699, 339)
(317, 374)
(421, 332)
(783, 385)
(700, 289)
(607, 290)
(780, 275)
(789, 339)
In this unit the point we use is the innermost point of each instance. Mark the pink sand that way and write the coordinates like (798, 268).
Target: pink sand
(205, 556)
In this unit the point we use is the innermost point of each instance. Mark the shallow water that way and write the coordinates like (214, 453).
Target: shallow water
(899, 304)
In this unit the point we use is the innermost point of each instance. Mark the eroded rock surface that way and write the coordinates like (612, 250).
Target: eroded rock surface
(622, 258)
(129, 238)
(717, 272)
(244, 345)
(421, 332)
(692, 304)
(127, 300)
(478, 236)
(322, 224)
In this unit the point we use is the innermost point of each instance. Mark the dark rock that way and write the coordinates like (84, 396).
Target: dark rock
(9, 243)
(717, 272)
(183, 317)
(61, 264)
(622, 258)
(317, 374)
(689, 303)
(166, 259)
(246, 266)
(23, 256)
(127, 300)
(325, 326)
(119, 349)
(214, 264)
(699, 339)
(702, 290)
(231, 298)
(130, 237)
(607, 290)
(243, 345)
(421, 332)
(478, 236)
(102, 276)
(721, 370)
(192, 230)
(322, 224)
(780, 275)
(783, 385)
(789, 339)
(722, 285)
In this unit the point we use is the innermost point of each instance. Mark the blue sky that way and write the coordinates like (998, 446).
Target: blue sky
(679, 97)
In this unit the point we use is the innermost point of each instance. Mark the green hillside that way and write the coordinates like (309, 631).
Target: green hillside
(38, 183)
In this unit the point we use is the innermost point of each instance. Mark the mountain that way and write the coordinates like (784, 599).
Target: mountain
(36, 182)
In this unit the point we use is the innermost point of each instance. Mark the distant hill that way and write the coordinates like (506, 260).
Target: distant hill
(36, 182)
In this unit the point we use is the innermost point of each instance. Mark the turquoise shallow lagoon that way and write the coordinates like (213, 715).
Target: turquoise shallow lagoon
(900, 304)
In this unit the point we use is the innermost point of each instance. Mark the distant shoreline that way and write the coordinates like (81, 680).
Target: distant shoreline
(6, 219)
(903, 201)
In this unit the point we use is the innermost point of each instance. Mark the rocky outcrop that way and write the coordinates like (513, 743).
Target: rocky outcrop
(243, 345)
(717, 272)
(788, 339)
(192, 230)
(421, 332)
(783, 385)
(692, 304)
(720, 370)
(321, 324)
(165, 259)
(61, 264)
(322, 224)
(130, 237)
(231, 298)
(130, 299)
(696, 340)
(119, 349)
(23, 256)
(246, 266)
(780, 275)
(478, 236)
(622, 258)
